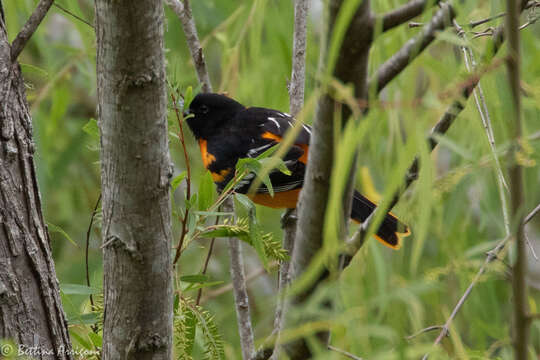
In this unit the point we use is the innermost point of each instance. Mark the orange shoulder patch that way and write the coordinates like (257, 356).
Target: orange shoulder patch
(207, 158)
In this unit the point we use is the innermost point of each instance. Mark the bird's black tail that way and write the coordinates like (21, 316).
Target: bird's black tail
(390, 231)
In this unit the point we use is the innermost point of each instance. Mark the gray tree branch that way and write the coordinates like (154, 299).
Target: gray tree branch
(239, 283)
(519, 285)
(183, 11)
(412, 48)
(296, 95)
(29, 28)
(405, 13)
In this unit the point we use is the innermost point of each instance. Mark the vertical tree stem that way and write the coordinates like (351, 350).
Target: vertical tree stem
(136, 171)
(521, 320)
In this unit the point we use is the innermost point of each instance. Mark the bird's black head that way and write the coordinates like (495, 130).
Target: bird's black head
(210, 112)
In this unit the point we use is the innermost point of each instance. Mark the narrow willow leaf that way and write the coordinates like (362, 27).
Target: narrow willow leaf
(206, 191)
(178, 180)
(195, 278)
(76, 289)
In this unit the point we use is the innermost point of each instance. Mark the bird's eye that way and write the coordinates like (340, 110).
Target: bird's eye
(204, 109)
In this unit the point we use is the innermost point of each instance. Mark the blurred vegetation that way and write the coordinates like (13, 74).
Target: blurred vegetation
(384, 296)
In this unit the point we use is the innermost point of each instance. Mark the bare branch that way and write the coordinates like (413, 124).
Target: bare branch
(474, 24)
(226, 288)
(519, 285)
(298, 76)
(241, 299)
(423, 331)
(183, 11)
(481, 105)
(491, 255)
(405, 13)
(532, 214)
(92, 218)
(412, 48)
(344, 353)
(75, 16)
(296, 94)
(29, 28)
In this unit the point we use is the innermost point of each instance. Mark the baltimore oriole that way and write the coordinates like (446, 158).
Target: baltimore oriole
(227, 131)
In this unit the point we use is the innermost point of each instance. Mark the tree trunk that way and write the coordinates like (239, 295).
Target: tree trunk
(31, 312)
(136, 169)
(350, 68)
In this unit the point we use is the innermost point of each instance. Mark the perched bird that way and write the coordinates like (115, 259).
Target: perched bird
(227, 131)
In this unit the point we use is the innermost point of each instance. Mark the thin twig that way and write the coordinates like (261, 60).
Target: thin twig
(412, 48)
(481, 105)
(491, 255)
(29, 28)
(531, 214)
(188, 179)
(344, 353)
(476, 23)
(249, 278)
(88, 246)
(241, 299)
(404, 13)
(423, 331)
(473, 24)
(207, 261)
(74, 15)
(183, 11)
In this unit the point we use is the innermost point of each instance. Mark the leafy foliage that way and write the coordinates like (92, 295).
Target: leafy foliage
(241, 229)
(188, 318)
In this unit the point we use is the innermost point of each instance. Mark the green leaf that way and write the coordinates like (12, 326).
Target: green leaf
(97, 339)
(206, 191)
(244, 201)
(32, 69)
(195, 278)
(213, 213)
(76, 289)
(178, 180)
(255, 235)
(203, 285)
(84, 319)
(58, 229)
(188, 97)
(92, 128)
(81, 339)
(190, 321)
